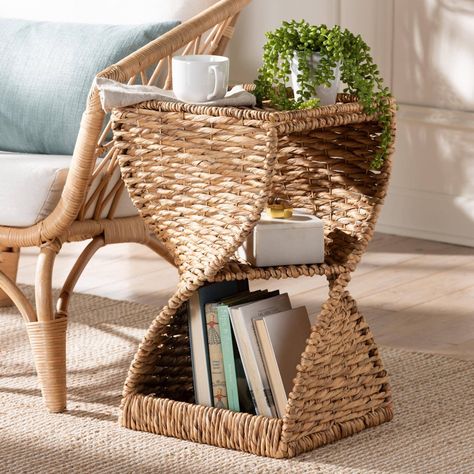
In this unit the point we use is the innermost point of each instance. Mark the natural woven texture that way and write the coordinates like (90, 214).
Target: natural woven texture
(9, 265)
(48, 341)
(200, 176)
(340, 389)
(432, 432)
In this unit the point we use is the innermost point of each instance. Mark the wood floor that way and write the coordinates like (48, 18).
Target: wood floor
(416, 294)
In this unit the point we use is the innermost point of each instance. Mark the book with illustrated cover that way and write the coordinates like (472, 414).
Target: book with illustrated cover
(238, 393)
(209, 293)
(282, 339)
(241, 318)
(219, 390)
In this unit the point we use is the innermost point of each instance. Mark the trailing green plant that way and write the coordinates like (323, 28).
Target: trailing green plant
(299, 39)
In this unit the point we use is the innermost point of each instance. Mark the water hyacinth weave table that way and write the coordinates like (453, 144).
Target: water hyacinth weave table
(200, 176)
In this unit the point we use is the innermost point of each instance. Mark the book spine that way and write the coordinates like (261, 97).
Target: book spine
(199, 357)
(219, 391)
(257, 381)
(228, 358)
(269, 362)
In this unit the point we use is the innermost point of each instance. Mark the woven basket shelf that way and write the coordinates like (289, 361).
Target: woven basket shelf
(200, 176)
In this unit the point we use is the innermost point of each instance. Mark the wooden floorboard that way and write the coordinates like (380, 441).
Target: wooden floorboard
(416, 294)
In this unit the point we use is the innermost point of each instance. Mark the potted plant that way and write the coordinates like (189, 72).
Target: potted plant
(315, 57)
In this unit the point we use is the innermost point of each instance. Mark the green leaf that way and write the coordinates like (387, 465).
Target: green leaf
(358, 71)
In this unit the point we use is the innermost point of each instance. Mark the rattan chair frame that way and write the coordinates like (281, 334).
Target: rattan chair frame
(200, 177)
(207, 33)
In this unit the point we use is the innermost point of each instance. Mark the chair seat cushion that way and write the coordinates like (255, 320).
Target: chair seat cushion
(46, 72)
(31, 185)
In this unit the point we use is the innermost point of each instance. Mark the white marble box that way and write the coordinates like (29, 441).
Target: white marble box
(294, 241)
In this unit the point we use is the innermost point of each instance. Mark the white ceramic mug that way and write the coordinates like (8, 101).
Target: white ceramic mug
(200, 78)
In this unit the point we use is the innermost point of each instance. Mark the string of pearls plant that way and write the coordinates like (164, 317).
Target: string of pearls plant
(336, 47)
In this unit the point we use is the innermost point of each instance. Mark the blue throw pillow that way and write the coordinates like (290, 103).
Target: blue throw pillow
(46, 71)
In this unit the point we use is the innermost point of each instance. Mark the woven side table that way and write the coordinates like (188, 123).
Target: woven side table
(200, 176)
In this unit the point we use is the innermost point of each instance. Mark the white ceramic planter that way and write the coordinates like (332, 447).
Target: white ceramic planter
(326, 95)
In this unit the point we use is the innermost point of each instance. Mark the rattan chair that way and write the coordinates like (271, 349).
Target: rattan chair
(208, 32)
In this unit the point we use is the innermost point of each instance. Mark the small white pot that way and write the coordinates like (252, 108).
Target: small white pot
(326, 95)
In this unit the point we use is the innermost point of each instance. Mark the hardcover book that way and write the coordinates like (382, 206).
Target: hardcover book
(219, 390)
(238, 393)
(282, 339)
(241, 318)
(228, 357)
(203, 393)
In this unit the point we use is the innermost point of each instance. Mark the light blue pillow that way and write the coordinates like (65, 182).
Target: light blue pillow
(46, 71)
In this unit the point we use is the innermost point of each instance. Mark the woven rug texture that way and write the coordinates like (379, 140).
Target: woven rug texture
(432, 432)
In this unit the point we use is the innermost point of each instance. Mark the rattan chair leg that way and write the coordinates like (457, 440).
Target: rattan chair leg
(48, 334)
(9, 259)
(63, 301)
(48, 344)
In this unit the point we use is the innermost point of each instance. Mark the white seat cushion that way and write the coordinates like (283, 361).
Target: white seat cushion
(31, 185)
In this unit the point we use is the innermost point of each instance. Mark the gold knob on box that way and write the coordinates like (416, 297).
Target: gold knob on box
(279, 208)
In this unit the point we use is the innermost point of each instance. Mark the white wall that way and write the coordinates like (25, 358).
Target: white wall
(265, 15)
(425, 52)
(432, 191)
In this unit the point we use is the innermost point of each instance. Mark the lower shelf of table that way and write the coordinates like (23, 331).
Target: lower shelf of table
(340, 388)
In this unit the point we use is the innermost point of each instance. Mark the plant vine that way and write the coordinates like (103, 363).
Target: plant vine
(299, 39)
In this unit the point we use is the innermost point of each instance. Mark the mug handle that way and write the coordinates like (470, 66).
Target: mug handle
(219, 82)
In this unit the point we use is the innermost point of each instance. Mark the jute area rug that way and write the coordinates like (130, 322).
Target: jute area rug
(433, 430)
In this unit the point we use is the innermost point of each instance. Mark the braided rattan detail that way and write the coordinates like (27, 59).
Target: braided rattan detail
(200, 177)
(48, 344)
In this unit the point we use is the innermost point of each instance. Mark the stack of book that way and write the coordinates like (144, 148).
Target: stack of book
(245, 347)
